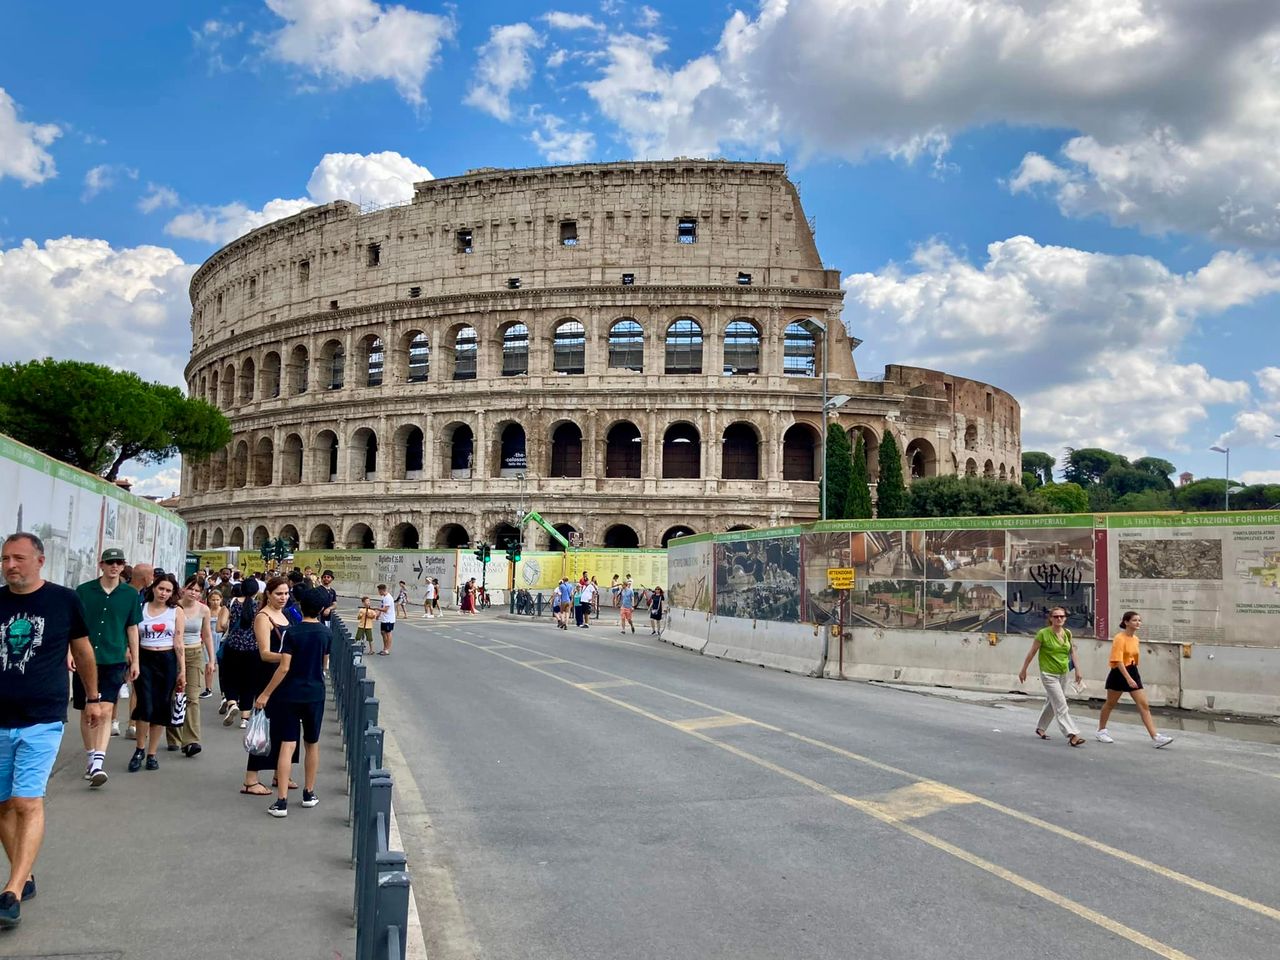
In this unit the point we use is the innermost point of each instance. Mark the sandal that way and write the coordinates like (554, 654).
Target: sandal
(1042, 735)
(1076, 741)
(255, 790)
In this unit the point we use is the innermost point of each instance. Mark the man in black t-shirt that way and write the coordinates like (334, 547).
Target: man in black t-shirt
(40, 623)
(326, 585)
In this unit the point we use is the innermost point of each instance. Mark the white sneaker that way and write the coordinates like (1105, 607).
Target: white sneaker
(1103, 737)
(1160, 740)
(115, 728)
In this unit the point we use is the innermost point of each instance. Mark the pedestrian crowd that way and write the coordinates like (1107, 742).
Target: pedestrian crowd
(134, 633)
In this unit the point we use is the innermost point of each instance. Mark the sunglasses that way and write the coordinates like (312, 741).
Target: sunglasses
(114, 563)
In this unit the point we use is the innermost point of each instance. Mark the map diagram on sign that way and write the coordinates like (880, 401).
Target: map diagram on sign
(1259, 568)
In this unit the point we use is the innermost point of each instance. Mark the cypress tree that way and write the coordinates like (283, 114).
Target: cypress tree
(891, 499)
(858, 505)
(839, 471)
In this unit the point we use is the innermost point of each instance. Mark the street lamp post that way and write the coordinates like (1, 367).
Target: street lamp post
(1226, 489)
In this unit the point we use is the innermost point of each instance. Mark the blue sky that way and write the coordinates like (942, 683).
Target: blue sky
(1078, 201)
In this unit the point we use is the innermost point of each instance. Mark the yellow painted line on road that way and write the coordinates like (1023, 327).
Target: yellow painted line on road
(875, 810)
(602, 684)
(919, 800)
(712, 723)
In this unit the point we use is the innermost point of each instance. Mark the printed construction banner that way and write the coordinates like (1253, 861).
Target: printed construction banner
(1204, 578)
(648, 568)
(690, 566)
(758, 576)
(540, 570)
(358, 572)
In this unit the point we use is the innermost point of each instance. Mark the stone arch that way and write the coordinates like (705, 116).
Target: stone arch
(228, 386)
(404, 536)
(203, 541)
(511, 451)
(236, 539)
(504, 535)
(515, 349)
(263, 462)
(212, 395)
(409, 447)
(260, 536)
(740, 452)
(989, 470)
(569, 347)
(359, 537)
(971, 436)
(299, 370)
(971, 467)
(321, 537)
(624, 451)
(218, 539)
(362, 452)
(676, 531)
(333, 365)
(464, 348)
(240, 465)
(622, 536)
(371, 360)
(1003, 474)
(289, 534)
(324, 463)
(683, 346)
(564, 529)
(922, 461)
(739, 526)
(741, 348)
(566, 450)
(459, 448)
(452, 536)
(291, 460)
(626, 345)
(269, 378)
(681, 452)
(247, 378)
(800, 451)
(218, 470)
(870, 445)
(415, 348)
(799, 351)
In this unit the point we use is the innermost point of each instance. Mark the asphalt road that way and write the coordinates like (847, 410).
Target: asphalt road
(580, 794)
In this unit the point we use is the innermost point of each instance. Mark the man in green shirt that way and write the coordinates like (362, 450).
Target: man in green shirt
(112, 613)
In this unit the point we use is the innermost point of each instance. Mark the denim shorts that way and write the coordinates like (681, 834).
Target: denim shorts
(26, 758)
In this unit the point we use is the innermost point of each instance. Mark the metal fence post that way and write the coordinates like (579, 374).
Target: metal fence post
(391, 912)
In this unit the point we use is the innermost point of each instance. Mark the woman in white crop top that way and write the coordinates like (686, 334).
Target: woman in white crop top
(160, 673)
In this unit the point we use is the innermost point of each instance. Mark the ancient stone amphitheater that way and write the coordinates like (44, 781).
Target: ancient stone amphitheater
(635, 350)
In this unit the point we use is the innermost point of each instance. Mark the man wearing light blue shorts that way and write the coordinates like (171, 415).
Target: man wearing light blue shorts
(40, 624)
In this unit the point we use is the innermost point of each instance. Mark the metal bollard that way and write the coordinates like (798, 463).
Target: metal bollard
(540, 601)
(391, 911)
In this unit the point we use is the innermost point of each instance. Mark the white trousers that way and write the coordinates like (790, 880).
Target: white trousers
(1055, 688)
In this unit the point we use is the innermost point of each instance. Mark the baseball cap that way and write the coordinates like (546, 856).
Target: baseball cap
(112, 553)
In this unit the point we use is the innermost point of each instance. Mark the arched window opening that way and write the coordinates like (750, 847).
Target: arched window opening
(623, 449)
(739, 526)
(228, 387)
(675, 532)
(321, 537)
(360, 537)
(240, 465)
(971, 436)
(413, 445)
(626, 346)
(684, 347)
(204, 540)
(333, 364)
(270, 387)
(246, 381)
(263, 461)
(374, 360)
(299, 361)
(237, 538)
(621, 536)
(218, 538)
(213, 388)
(569, 348)
(921, 460)
(511, 451)
(218, 470)
(461, 452)
(870, 446)
(404, 536)
(681, 452)
(260, 535)
(741, 348)
(971, 467)
(364, 455)
(740, 453)
(465, 347)
(799, 351)
(325, 457)
(289, 534)
(989, 470)
(515, 350)
(800, 453)
(1003, 475)
(504, 535)
(419, 358)
(566, 451)
(566, 530)
(452, 536)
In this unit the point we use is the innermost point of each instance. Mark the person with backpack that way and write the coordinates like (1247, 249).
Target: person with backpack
(1055, 651)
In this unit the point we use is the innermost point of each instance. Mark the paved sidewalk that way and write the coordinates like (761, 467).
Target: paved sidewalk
(177, 863)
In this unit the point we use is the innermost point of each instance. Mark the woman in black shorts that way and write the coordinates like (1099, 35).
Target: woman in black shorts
(657, 607)
(1125, 678)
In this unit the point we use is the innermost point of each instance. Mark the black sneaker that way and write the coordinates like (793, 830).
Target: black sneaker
(152, 762)
(191, 749)
(279, 809)
(10, 911)
(29, 888)
(97, 778)
(309, 799)
(135, 762)
(206, 693)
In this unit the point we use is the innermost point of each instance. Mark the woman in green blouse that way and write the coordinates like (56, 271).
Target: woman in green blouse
(1057, 654)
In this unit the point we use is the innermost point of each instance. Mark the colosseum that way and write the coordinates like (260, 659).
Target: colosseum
(635, 350)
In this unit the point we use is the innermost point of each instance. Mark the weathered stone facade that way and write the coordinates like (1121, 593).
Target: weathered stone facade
(632, 349)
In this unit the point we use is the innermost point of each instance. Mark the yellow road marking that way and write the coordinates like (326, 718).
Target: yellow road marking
(711, 723)
(1112, 851)
(875, 811)
(919, 800)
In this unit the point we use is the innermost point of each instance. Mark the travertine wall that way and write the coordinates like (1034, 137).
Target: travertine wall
(332, 325)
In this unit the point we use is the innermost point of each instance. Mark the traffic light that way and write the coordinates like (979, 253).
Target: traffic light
(486, 553)
(513, 552)
(482, 553)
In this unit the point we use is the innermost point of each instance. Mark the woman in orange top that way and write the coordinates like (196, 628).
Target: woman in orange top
(1124, 678)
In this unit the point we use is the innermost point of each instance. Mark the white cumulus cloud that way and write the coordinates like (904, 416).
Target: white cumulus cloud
(1258, 423)
(76, 298)
(504, 65)
(351, 41)
(559, 145)
(157, 197)
(22, 145)
(1088, 342)
(376, 179)
(104, 177)
(559, 20)
(164, 483)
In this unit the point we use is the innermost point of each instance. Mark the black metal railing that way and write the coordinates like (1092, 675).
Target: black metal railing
(382, 885)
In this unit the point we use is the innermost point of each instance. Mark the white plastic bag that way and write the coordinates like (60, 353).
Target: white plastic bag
(178, 714)
(257, 736)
